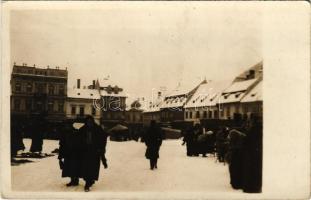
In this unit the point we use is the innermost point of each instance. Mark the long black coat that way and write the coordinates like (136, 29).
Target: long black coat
(153, 141)
(236, 158)
(69, 150)
(91, 153)
(253, 160)
(37, 136)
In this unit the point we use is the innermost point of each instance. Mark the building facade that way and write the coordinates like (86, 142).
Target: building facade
(82, 102)
(38, 91)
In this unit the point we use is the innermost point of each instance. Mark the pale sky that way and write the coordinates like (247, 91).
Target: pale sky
(140, 47)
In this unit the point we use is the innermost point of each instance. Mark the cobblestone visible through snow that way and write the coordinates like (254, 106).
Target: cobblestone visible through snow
(129, 171)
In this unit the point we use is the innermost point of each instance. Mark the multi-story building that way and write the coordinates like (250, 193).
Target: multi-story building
(113, 102)
(81, 102)
(252, 103)
(172, 108)
(37, 91)
(104, 102)
(230, 99)
(203, 103)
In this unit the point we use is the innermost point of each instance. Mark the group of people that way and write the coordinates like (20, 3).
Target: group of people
(244, 155)
(199, 141)
(82, 151)
(239, 145)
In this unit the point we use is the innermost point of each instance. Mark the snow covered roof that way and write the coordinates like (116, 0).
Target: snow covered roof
(104, 82)
(112, 94)
(174, 101)
(240, 86)
(83, 93)
(154, 106)
(254, 95)
(183, 89)
(207, 94)
(236, 91)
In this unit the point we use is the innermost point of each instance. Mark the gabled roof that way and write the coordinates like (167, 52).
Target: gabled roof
(254, 95)
(240, 86)
(174, 102)
(236, 91)
(207, 94)
(83, 93)
(183, 89)
(154, 106)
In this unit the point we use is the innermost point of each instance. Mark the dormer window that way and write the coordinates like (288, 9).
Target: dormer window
(78, 93)
(237, 95)
(253, 95)
(91, 94)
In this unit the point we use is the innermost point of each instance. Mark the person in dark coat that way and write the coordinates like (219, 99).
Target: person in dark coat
(221, 137)
(17, 144)
(37, 133)
(93, 144)
(189, 141)
(69, 154)
(153, 141)
(197, 147)
(235, 157)
(253, 157)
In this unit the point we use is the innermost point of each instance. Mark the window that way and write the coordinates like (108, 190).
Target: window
(186, 115)
(93, 110)
(73, 110)
(29, 87)
(205, 114)
(228, 112)
(18, 87)
(28, 104)
(190, 115)
(17, 104)
(221, 112)
(60, 107)
(61, 90)
(210, 114)
(82, 110)
(197, 115)
(50, 106)
(51, 89)
(39, 105)
(134, 118)
(216, 114)
(40, 88)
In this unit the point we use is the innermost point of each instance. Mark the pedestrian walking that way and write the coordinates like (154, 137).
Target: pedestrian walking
(93, 144)
(69, 154)
(153, 140)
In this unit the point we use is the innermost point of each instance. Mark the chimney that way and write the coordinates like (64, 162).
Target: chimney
(159, 94)
(78, 83)
(93, 84)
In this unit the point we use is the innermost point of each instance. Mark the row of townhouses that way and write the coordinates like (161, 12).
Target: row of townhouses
(36, 90)
(222, 100)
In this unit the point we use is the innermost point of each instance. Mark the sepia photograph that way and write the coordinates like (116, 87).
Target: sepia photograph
(159, 97)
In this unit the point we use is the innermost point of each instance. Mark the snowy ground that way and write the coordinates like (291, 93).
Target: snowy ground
(129, 171)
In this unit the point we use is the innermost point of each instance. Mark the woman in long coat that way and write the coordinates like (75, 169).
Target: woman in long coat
(189, 141)
(235, 157)
(153, 141)
(93, 144)
(69, 152)
(253, 157)
(37, 134)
